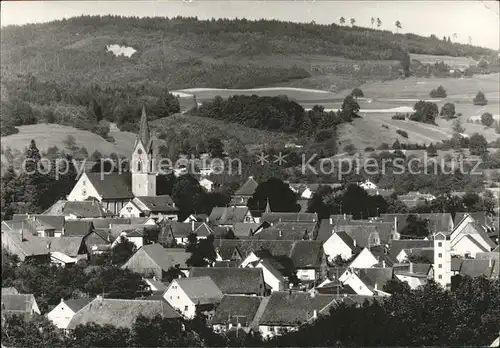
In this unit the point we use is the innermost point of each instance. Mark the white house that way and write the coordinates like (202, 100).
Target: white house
(368, 185)
(186, 294)
(155, 206)
(62, 314)
(416, 275)
(349, 277)
(468, 238)
(365, 259)
(274, 279)
(340, 244)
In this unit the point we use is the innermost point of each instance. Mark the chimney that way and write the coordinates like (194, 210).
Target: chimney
(315, 314)
(331, 220)
(383, 264)
(411, 267)
(395, 224)
(354, 241)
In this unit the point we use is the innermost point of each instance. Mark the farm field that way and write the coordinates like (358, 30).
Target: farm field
(449, 60)
(47, 135)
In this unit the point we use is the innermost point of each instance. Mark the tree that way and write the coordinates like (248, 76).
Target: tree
(379, 23)
(353, 21)
(202, 251)
(457, 127)
(480, 99)
(425, 112)
(439, 92)
(188, 195)
(477, 144)
(357, 92)
(215, 147)
(116, 282)
(396, 145)
(487, 119)
(279, 195)
(122, 251)
(350, 108)
(350, 149)
(372, 21)
(398, 26)
(431, 150)
(405, 64)
(70, 144)
(342, 20)
(448, 111)
(415, 227)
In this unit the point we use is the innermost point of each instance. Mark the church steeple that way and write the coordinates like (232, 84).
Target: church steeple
(144, 128)
(268, 207)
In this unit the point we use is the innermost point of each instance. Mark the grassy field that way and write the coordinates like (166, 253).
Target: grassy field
(47, 135)
(451, 61)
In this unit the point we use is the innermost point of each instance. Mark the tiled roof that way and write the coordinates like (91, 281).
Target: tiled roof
(39, 221)
(236, 309)
(56, 208)
(307, 254)
(477, 268)
(379, 253)
(438, 222)
(29, 245)
(347, 240)
(375, 276)
(242, 229)
(76, 304)
(201, 290)
(226, 247)
(165, 257)
(294, 308)
(303, 205)
(227, 215)
(85, 209)
(78, 228)
(17, 303)
(113, 185)
(248, 188)
(120, 313)
(232, 280)
(399, 244)
(156, 204)
(107, 222)
(286, 233)
(289, 217)
(362, 234)
(69, 246)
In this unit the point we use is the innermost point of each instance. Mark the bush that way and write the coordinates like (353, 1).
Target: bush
(487, 119)
(403, 133)
(357, 93)
(323, 135)
(448, 111)
(480, 99)
(350, 149)
(399, 116)
(384, 146)
(438, 93)
(369, 149)
(425, 112)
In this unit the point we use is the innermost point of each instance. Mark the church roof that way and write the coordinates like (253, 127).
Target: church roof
(144, 135)
(113, 185)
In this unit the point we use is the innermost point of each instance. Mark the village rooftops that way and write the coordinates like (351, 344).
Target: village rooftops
(78, 228)
(156, 204)
(85, 209)
(120, 313)
(113, 185)
(228, 215)
(200, 290)
(165, 258)
(399, 244)
(248, 188)
(289, 217)
(237, 309)
(292, 308)
(232, 280)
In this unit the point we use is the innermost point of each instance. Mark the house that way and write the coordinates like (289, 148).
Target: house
(442, 259)
(309, 261)
(24, 248)
(397, 245)
(368, 185)
(20, 304)
(287, 231)
(366, 233)
(208, 185)
(234, 281)
(287, 310)
(172, 232)
(237, 312)
(272, 269)
(469, 237)
(246, 229)
(62, 314)
(77, 228)
(425, 255)
(187, 295)
(41, 225)
(273, 218)
(155, 206)
(244, 193)
(372, 257)
(156, 286)
(153, 259)
(120, 313)
(196, 218)
(72, 210)
(228, 216)
(367, 281)
(415, 275)
(436, 222)
(488, 268)
(340, 244)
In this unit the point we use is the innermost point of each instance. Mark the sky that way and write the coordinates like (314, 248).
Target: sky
(478, 19)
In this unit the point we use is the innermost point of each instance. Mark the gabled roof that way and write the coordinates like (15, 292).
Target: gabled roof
(362, 234)
(248, 188)
(347, 240)
(236, 310)
(17, 303)
(69, 246)
(307, 254)
(227, 215)
(289, 217)
(78, 228)
(77, 304)
(232, 280)
(85, 209)
(28, 244)
(226, 247)
(39, 221)
(113, 185)
(119, 312)
(200, 290)
(242, 229)
(427, 253)
(379, 253)
(384, 229)
(163, 257)
(399, 244)
(477, 268)
(56, 208)
(294, 308)
(437, 221)
(372, 277)
(156, 204)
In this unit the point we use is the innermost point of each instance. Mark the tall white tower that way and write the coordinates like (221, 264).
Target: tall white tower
(442, 259)
(142, 164)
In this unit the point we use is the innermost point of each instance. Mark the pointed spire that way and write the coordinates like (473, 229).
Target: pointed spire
(144, 127)
(268, 207)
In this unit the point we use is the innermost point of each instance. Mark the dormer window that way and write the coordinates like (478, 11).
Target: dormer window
(139, 151)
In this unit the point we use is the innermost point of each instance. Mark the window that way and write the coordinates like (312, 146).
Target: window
(139, 166)
(440, 276)
(178, 297)
(185, 308)
(440, 266)
(440, 244)
(170, 297)
(440, 255)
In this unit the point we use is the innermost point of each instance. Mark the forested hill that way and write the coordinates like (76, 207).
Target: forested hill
(186, 52)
